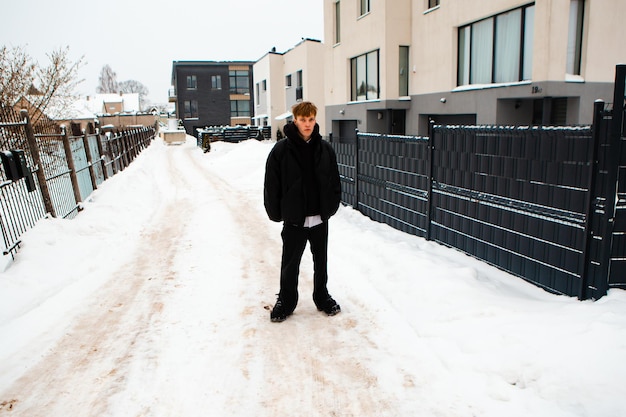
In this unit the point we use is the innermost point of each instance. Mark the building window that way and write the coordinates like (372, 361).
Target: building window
(433, 3)
(239, 81)
(239, 108)
(258, 93)
(497, 49)
(364, 77)
(299, 91)
(216, 82)
(337, 22)
(288, 81)
(192, 82)
(404, 71)
(191, 109)
(575, 36)
(365, 7)
(264, 85)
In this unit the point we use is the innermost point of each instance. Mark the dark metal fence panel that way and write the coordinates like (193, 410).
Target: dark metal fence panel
(617, 265)
(346, 159)
(515, 198)
(393, 180)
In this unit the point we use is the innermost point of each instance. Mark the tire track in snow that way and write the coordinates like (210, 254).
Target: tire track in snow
(300, 349)
(89, 364)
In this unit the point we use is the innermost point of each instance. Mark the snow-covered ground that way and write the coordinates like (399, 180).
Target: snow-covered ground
(154, 302)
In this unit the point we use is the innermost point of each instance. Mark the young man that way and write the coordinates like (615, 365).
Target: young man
(302, 189)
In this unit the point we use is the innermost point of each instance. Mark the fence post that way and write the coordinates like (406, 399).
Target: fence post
(92, 174)
(598, 119)
(356, 171)
(429, 203)
(70, 164)
(34, 153)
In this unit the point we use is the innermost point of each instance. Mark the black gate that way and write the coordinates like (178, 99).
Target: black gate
(606, 248)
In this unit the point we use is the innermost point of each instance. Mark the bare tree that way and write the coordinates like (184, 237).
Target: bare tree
(108, 81)
(17, 73)
(45, 91)
(132, 86)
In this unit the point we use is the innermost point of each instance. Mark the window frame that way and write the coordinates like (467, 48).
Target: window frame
(237, 112)
(216, 82)
(238, 77)
(337, 22)
(469, 67)
(190, 109)
(363, 63)
(364, 7)
(433, 3)
(404, 54)
(576, 29)
(192, 82)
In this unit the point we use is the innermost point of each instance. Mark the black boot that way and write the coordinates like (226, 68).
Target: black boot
(329, 306)
(279, 313)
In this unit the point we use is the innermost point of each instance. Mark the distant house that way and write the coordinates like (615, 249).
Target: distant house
(113, 103)
(212, 93)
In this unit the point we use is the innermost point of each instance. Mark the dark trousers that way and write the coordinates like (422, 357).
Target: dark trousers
(294, 242)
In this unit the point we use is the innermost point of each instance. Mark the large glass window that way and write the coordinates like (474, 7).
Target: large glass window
(529, 32)
(192, 82)
(239, 81)
(508, 45)
(497, 49)
(191, 109)
(403, 89)
(575, 36)
(364, 77)
(239, 108)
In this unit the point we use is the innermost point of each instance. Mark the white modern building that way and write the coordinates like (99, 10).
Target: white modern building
(396, 66)
(284, 79)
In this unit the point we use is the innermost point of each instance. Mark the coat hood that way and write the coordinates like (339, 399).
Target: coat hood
(291, 131)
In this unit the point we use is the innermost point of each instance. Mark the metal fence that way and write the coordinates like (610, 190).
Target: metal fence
(547, 204)
(57, 170)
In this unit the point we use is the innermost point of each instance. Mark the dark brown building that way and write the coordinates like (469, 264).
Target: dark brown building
(212, 93)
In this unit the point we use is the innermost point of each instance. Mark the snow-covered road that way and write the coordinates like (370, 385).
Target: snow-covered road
(154, 302)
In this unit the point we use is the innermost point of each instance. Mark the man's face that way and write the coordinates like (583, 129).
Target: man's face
(305, 125)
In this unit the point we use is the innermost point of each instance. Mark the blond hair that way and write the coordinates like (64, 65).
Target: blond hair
(305, 108)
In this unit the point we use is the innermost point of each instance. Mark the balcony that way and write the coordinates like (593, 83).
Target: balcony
(172, 95)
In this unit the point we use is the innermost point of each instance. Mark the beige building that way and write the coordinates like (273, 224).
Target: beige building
(284, 79)
(395, 66)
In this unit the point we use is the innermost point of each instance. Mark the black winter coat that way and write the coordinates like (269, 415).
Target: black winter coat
(285, 191)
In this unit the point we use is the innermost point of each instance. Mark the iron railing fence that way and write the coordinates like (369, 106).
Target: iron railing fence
(63, 169)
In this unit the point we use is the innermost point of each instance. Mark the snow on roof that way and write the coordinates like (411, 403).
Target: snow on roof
(130, 102)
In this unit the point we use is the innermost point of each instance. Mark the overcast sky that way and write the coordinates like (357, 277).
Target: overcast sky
(139, 39)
